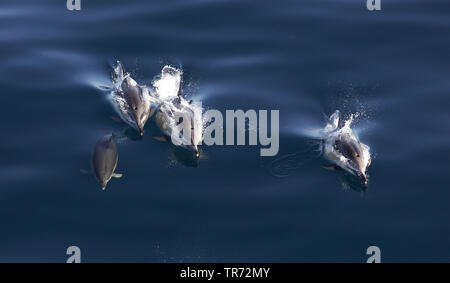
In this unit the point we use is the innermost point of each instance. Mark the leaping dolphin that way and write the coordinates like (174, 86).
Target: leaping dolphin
(341, 147)
(132, 102)
(176, 112)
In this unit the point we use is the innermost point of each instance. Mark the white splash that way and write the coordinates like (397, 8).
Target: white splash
(173, 105)
(168, 83)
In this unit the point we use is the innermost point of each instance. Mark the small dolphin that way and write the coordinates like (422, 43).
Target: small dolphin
(171, 114)
(104, 160)
(132, 102)
(344, 150)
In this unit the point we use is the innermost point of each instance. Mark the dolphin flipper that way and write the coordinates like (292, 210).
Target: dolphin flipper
(116, 118)
(117, 175)
(163, 138)
(331, 167)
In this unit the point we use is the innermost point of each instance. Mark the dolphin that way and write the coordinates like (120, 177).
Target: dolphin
(104, 160)
(341, 147)
(171, 114)
(131, 101)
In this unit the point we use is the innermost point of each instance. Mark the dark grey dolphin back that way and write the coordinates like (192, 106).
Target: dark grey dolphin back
(135, 99)
(132, 94)
(104, 159)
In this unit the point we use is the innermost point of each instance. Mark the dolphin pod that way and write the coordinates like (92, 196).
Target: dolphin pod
(135, 104)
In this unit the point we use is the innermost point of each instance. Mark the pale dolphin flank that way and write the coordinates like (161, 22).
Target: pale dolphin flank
(104, 160)
(343, 149)
(179, 112)
(132, 102)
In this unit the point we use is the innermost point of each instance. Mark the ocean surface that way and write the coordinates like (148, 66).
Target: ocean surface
(390, 68)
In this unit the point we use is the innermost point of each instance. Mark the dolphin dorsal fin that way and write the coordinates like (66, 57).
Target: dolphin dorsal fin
(180, 87)
(122, 68)
(340, 123)
(335, 120)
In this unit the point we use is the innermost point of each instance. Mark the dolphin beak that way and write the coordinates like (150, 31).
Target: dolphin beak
(363, 178)
(196, 152)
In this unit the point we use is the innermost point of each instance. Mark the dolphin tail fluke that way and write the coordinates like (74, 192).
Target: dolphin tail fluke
(335, 120)
(120, 69)
(118, 72)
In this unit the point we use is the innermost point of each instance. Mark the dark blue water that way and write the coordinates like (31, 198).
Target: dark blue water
(305, 58)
